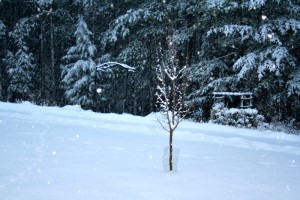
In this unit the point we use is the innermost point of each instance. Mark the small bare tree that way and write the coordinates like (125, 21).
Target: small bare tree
(171, 92)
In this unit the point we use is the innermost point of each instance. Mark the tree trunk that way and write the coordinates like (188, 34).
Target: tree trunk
(125, 109)
(94, 22)
(42, 64)
(95, 92)
(53, 79)
(171, 151)
(134, 103)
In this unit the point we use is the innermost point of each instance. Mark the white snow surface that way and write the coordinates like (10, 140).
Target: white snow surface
(66, 153)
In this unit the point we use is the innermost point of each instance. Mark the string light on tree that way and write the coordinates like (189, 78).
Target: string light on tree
(99, 90)
(270, 35)
(263, 17)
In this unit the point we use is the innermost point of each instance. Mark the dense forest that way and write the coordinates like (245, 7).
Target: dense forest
(50, 50)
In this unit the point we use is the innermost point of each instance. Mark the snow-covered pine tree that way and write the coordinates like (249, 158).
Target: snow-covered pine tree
(44, 2)
(141, 23)
(139, 31)
(2, 29)
(249, 47)
(9, 62)
(21, 31)
(79, 74)
(20, 66)
(91, 9)
(47, 71)
(21, 75)
(2, 71)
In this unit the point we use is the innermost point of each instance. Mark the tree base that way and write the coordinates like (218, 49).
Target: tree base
(166, 159)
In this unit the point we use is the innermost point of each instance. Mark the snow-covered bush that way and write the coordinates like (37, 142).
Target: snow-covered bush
(248, 118)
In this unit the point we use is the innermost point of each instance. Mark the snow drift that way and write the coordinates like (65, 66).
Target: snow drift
(71, 154)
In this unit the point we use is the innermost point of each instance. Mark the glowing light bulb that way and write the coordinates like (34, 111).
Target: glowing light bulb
(263, 17)
(270, 36)
(99, 90)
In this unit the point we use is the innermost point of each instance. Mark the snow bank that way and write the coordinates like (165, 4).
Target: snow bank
(67, 153)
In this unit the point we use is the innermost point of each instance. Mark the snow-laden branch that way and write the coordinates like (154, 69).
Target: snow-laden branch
(104, 66)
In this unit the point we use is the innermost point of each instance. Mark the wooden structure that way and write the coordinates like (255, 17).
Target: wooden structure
(245, 98)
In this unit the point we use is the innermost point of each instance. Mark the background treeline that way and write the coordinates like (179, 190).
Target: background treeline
(50, 49)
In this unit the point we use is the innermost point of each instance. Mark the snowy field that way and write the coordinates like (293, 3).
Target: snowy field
(71, 154)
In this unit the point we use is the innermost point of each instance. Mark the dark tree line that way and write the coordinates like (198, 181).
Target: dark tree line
(50, 48)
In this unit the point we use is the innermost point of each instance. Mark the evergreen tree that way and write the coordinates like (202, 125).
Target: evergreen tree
(79, 74)
(2, 29)
(9, 62)
(133, 38)
(20, 75)
(2, 71)
(227, 45)
(44, 2)
(248, 47)
(20, 66)
(55, 30)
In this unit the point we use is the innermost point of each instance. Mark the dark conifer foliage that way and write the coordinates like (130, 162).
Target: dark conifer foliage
(226, 45)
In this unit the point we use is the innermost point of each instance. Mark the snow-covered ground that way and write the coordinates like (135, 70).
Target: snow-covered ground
(71, 154)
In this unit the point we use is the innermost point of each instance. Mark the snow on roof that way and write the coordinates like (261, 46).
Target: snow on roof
(233, 93)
